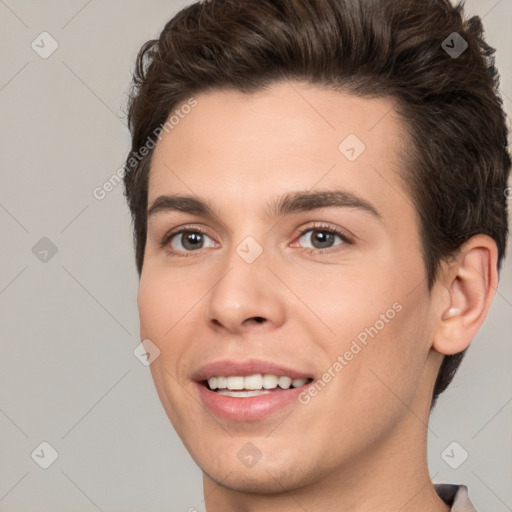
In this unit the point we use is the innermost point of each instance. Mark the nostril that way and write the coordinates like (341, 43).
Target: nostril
(259, 319)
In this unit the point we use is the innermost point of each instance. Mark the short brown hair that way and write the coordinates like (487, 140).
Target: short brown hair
(458, 163)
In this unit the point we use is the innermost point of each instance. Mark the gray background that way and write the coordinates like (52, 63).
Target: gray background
(69, 325)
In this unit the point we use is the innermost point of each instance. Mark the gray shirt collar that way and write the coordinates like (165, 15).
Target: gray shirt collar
(456, 496)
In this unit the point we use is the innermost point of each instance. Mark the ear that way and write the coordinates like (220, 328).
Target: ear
(468, 287)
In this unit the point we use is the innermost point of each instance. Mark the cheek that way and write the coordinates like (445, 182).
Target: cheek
(151, 302)
(375, 321)
(391, 364)
(168, 314)
(163, 307)
(347, 303)
(163, 302)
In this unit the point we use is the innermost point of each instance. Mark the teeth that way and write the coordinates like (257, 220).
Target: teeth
(270, 381)
(255, 382)
(243, 394)
(235, 382)
(284, 382)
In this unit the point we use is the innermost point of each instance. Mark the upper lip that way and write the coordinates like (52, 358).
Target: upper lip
(226, 368)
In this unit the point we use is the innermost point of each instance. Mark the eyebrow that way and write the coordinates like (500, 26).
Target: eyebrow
(291, 202)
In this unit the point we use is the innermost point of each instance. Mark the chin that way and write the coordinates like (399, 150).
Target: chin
(285, 469)
(252, 480)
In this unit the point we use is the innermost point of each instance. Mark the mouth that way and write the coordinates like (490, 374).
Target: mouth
(250, 390)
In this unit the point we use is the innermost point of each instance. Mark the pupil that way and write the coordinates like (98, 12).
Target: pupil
(194, 238)
(323, 238)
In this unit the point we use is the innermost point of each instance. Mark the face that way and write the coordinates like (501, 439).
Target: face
(294, 260)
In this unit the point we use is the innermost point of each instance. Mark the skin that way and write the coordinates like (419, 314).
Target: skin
(343, 449)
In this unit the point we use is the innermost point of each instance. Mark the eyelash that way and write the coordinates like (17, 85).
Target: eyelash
(165, 243)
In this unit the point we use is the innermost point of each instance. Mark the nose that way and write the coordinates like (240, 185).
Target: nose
(245, 296)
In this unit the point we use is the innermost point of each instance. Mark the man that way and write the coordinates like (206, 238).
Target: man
(318, 196)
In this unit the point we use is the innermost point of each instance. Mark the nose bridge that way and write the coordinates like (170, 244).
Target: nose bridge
(245, 289)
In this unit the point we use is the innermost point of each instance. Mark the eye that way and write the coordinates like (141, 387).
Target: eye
(187, 240)
(322, 238)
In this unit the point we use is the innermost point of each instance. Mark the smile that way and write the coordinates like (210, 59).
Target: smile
(248, 391)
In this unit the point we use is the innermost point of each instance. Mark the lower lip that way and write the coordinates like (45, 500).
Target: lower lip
(250, 408)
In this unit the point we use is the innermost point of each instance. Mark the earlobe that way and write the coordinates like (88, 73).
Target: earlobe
(471, 281)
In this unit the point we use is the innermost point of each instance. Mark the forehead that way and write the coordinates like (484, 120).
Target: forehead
(291, 136)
